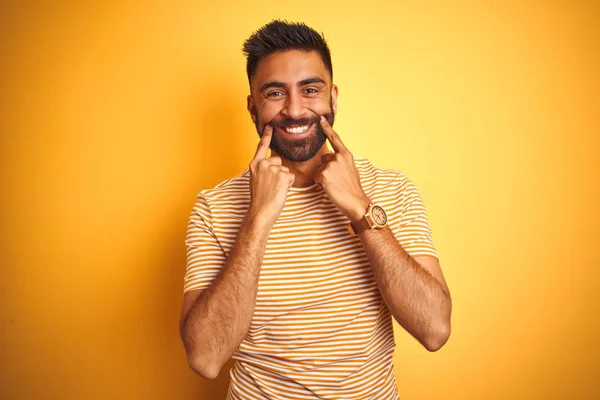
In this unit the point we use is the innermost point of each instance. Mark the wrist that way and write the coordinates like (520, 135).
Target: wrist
(258, 221)
(359, 210)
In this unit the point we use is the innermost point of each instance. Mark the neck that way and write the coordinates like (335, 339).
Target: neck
(304, 170)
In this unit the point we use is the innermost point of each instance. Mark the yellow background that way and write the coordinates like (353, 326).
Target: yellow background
(115, 114)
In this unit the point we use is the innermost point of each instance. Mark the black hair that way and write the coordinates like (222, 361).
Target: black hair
(280, 35)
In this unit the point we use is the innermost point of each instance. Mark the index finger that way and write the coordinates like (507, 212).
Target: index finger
(265, 141)
(334, 138)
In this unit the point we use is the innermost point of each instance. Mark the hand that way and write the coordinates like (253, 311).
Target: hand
(269, 182)
(340, 178)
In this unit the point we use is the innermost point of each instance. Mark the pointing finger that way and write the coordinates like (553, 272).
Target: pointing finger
(265, 141)
(333, 137)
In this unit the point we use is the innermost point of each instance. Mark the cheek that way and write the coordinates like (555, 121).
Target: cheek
(269, 110)
(319, 106)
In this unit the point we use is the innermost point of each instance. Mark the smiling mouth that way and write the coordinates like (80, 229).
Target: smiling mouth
(296, 130)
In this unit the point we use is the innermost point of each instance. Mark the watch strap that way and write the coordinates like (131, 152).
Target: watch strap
(362, 224)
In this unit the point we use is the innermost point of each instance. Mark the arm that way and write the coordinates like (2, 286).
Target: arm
(214, 321)
(414, 289)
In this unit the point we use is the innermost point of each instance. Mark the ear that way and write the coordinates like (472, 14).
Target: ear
(251, 108)
(334, 95)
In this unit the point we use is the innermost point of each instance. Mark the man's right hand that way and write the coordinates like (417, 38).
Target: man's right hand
(269, 182)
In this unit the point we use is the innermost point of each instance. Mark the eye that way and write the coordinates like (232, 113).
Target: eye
(310, 91)
(275, 93)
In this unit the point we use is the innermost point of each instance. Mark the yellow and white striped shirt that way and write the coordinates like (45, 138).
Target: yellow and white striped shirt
(320, 328)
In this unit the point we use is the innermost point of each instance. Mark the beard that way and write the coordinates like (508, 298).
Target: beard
(299, 149)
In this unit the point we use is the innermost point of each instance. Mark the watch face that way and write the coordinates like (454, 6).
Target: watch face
(379, 215)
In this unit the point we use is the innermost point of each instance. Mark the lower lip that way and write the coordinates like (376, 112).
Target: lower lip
(296, 135)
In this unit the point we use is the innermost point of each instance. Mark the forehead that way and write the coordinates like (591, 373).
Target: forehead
(289, 67)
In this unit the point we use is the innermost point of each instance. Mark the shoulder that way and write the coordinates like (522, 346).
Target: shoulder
(229, 189)
(387, 187)
(375, 178)
(227, 200)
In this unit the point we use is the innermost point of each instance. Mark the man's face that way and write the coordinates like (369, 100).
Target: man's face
(290, 90)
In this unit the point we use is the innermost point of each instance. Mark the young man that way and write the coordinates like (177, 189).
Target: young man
(295, 265)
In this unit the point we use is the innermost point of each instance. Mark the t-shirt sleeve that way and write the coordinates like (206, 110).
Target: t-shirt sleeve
(409, 221)
(205, 256)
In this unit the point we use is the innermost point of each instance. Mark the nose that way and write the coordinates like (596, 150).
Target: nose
(294, 107)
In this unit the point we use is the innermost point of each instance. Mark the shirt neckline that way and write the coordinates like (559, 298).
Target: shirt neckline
(304, 189)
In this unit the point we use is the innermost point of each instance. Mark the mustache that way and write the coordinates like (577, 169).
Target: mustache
(295, 122)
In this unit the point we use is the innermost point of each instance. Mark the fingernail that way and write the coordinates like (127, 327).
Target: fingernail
(322, 118)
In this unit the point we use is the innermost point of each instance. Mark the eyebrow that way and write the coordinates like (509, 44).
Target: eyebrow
(304, 82)
(310, 80)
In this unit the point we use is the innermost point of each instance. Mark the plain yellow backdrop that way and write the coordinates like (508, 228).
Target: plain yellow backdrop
(115, 114)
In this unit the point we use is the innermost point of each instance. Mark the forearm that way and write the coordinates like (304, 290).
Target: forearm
(221, 316)
(416, 299)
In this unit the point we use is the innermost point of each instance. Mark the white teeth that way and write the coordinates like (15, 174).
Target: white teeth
(299, 129)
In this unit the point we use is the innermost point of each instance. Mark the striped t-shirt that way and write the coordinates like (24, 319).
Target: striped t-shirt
(320, 328)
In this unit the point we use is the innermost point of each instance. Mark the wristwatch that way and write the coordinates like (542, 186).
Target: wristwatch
(375, 218)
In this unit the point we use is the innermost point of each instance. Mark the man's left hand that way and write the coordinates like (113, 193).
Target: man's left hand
(339, 177)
